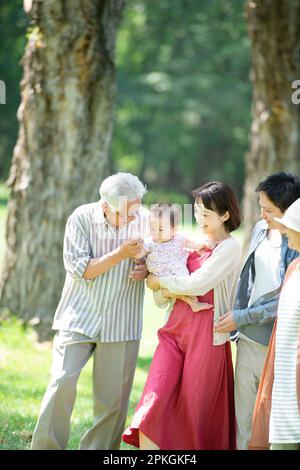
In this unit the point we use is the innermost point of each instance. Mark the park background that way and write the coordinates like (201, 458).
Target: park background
(178, 93)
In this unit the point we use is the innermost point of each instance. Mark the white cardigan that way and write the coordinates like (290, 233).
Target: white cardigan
(219, 272)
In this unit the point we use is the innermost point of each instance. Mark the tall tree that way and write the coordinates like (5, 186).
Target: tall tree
(274, 29)
(61, 155)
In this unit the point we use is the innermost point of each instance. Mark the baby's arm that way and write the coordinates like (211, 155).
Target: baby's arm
(192, 245)
(145, 250)
(141, 254)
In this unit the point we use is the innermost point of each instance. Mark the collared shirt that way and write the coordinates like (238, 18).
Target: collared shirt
(267, 266)
(109, 307)
(256, 320)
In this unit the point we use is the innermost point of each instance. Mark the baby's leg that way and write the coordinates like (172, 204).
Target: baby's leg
(194, 303)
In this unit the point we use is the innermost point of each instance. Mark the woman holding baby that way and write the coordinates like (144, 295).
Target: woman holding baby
(188, 399)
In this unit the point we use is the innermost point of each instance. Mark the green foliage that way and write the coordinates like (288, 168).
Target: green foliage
(155, 197)
(184, 93)
(183, 106)
(4, 191)
(3, 213)
(12, 44)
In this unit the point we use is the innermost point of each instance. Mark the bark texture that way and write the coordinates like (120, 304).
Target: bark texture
(274, 30)
(61, 155)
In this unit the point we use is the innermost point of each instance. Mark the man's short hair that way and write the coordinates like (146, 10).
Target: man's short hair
(121, 186)
(281, 188)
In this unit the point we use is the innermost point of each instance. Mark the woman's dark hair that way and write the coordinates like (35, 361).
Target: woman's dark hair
(160, 210)
(281, 188)
(220, 198)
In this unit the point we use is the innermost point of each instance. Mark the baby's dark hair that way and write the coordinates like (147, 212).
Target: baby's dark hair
(163, 209)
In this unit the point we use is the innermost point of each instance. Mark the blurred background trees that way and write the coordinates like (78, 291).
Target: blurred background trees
(183, 109)
(182, 115)
(13, 25)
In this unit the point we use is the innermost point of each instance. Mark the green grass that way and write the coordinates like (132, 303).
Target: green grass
(25, 371)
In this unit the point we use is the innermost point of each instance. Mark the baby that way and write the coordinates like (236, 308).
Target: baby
(166, 251)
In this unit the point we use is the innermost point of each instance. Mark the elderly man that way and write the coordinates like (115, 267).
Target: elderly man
(99, 314)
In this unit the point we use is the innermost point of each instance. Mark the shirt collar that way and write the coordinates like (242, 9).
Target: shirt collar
(98, 214)
(264, 225)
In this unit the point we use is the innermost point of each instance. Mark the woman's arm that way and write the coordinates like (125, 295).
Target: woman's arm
(224, 259)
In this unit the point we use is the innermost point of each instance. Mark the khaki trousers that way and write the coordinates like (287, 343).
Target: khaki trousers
(250, 360)
(113, 372)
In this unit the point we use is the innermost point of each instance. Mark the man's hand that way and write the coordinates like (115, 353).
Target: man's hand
(153, 282)
(130, 248)
(226, 324)
(140, 271)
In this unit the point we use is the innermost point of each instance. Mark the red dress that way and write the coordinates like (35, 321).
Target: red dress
(188, 398)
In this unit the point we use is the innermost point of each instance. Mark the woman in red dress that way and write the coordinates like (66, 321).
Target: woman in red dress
(188, 399)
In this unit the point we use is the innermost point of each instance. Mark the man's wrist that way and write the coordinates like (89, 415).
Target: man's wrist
(239, 317)
(118, 254)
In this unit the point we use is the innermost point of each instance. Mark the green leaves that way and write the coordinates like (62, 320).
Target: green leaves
(183, 104)
(184, 88)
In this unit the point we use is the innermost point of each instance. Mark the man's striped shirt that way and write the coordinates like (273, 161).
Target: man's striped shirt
(108, 308)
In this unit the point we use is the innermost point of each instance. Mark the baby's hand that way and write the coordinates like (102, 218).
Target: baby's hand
(210, 244)
(200, 246)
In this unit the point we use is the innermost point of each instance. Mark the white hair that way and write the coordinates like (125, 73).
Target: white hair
(121, 186)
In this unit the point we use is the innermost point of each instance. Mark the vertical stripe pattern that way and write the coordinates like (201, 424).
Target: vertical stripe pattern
(285, 417)
(108, 308)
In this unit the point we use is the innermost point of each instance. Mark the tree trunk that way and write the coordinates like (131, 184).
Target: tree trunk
(274, 29)
(61, 156)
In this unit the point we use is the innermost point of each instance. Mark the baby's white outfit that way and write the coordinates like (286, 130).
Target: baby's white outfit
(167, 258)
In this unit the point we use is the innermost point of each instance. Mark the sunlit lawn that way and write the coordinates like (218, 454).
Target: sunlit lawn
(25, 368)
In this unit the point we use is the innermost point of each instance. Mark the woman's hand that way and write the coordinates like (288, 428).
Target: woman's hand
(153, 282)
(226, 324)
